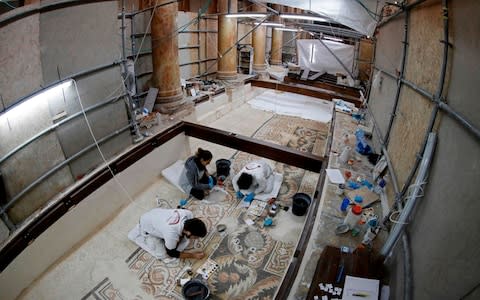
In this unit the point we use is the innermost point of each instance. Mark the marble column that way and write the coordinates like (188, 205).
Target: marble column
(166, 71)
(227, 36)
(259, 36)
(277, 39)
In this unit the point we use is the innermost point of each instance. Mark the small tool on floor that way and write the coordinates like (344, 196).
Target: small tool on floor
(182, 203)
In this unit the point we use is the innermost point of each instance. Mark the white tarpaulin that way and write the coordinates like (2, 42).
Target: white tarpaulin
(356, 14)
(313, 55)
(290, 104)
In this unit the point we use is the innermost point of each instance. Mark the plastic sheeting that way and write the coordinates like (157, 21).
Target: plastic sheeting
(313, 55)
(356, 14)
(290, 104)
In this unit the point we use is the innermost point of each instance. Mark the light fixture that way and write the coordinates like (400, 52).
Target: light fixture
(270, 24)
(288, 29)
(330, 38)
(246, 15)
(27, 106)
(303, 17)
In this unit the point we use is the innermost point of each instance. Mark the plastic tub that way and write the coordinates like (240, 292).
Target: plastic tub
(195, 290)
(223, 167)
(301, 202)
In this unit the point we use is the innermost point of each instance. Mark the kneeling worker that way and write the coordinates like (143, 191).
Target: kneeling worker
(173, 228)
(256, 177)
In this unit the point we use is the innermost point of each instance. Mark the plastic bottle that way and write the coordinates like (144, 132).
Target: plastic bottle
(353, 216)
(344, 205)
(379, 186)
(345, 155)
(340, 189)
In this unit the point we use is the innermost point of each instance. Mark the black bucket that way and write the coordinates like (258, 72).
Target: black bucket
(195, 290)
(301, 201)
(223, 167)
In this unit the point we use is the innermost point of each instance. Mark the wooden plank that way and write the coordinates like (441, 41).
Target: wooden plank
(292, 270)
(343, 90)
(269, 150)
(306, 90)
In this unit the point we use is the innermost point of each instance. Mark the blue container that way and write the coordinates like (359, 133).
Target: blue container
(345, 204)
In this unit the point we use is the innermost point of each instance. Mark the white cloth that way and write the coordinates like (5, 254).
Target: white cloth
(262, 177)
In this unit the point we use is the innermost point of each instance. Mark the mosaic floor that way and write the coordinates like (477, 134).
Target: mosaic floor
(252, 260)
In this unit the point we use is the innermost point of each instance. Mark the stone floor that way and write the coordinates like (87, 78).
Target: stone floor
(97, 269)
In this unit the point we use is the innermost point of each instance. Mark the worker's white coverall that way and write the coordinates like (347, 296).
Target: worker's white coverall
(262, 177)
(159, 229)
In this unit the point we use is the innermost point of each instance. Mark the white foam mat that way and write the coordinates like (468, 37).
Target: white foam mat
(291, 104)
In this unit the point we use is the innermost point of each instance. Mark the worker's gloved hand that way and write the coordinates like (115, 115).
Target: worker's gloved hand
(211, 182)
(250, 197)
(183, 202)
(239, 195)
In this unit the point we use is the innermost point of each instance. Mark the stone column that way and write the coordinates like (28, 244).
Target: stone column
(277, 39)
(227, 36)
(259, 36)
(166, 71)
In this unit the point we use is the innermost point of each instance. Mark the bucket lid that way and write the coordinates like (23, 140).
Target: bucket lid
(223, 161)
(357, 209)
(302, 196)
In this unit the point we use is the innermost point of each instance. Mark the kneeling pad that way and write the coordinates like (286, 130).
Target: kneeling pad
(173, 173)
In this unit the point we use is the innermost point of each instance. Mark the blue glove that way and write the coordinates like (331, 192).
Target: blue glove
(183, 202)
(210, 182)
(250, 197)
(239, 195)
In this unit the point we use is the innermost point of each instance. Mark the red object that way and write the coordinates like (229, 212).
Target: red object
(357, 209)
(271, 201)
(348, 174)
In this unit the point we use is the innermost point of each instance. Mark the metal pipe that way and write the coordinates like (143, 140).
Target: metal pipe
(6, 220)
(461, 119)
(72, 76)
(330, 30)
(410, 205)
(125, 75)
(386, 72)
(419, 90)
(442, 105)
(399, 81)
(54, 126)
(59, 166)
(134, 50)
(336, 57)
(407, 268)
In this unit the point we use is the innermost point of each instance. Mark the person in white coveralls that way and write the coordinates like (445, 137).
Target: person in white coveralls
(169, 231)
(254, 178)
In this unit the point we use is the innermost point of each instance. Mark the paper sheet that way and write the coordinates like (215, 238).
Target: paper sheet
(335, 176)
(357, 288)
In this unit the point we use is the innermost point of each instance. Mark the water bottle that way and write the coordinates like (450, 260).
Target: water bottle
(353, 216)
